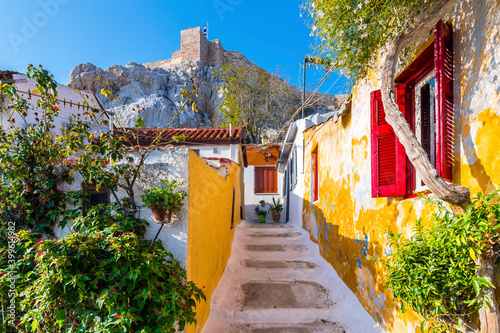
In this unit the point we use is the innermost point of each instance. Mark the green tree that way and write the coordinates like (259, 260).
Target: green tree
(104, 277)
(255, 99)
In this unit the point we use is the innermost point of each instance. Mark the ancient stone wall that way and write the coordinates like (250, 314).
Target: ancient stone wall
(194, 47)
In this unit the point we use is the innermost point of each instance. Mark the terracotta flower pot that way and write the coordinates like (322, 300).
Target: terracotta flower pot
(276, 216)
(160, 214)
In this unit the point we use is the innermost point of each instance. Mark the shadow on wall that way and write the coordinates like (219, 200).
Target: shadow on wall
(353, 260)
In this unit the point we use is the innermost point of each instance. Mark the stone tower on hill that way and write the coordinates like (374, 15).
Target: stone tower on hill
(196, 47)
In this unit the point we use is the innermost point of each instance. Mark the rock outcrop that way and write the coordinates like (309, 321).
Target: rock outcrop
(155, 93)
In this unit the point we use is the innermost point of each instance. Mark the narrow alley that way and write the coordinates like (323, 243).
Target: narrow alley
(276, 282)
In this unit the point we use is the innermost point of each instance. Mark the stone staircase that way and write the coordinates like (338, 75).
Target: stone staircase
(277, 282)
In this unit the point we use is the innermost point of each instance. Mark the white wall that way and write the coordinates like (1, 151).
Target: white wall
(23, 85)
(252, 199)
(169, 164)
(296, 195)
(224, 151)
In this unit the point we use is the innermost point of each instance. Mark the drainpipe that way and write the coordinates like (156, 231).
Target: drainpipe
(230, 141)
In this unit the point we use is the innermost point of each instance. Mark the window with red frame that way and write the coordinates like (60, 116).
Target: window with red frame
(314, 176)
(266, 180)
(424, 93)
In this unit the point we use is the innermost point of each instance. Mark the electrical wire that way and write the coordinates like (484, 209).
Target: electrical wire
(306, 102)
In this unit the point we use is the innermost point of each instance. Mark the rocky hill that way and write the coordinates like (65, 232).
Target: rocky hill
(154, 88)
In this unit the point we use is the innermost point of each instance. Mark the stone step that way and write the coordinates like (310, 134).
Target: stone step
(277, 281)
(258, 301)
(285, 270)
(256, 238)
(228, 327)
(278, 264)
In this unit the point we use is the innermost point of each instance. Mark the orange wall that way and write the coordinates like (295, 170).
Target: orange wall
(257, 156)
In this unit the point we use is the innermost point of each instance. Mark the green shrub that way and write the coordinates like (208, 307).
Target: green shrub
(435, 273)
(104, 278)
(169, 196)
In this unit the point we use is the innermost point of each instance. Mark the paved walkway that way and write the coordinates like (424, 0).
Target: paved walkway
(277, 282)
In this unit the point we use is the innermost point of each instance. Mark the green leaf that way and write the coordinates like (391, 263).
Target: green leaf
(475, 284)
(60, 317)
(472, 253)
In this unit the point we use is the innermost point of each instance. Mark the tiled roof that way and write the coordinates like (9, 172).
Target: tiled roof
(7, 76)
(194, 135)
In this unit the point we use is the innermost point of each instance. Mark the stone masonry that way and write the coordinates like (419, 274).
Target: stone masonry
(194, 47)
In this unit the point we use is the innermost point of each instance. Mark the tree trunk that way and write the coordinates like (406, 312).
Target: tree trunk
(455, 194)
(489, 316)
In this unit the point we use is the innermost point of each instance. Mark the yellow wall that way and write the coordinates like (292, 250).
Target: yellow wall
(350, 226)
(209, 231)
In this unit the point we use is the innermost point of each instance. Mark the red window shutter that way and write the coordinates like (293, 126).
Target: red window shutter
(266, 180)
(388, 155)
(443, 62)
(316, 179)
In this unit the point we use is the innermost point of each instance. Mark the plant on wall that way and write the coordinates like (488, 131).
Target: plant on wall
(34, 160)
(434, 272)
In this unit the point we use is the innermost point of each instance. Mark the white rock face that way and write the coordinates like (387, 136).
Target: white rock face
(156, 92)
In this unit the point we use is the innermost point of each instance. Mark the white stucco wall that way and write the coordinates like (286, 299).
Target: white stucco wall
(224, 151)
(169, 164)
(23, 85)
(295, 201)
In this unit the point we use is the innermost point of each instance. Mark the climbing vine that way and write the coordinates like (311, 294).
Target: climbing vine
(350, 33)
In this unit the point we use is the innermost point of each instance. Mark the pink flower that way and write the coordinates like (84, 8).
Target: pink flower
(117, 315)
(119, 250)
(56, 107)
(112, 289)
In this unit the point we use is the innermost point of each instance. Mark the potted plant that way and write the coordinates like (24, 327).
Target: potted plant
(275, 209)
(164, 201)
(259, 210)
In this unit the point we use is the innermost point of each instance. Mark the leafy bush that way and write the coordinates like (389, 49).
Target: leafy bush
(169, 197)
(435, 271)
(104, 278)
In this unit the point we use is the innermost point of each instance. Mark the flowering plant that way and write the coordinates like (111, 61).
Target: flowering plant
(102, 278)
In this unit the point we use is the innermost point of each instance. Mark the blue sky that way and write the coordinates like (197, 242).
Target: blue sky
(60, 34)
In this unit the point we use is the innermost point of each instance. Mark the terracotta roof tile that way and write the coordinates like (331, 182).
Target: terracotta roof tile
(195, 135)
